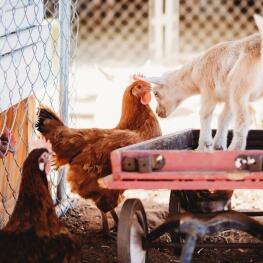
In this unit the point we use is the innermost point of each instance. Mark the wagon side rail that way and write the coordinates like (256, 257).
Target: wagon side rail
(186, 170)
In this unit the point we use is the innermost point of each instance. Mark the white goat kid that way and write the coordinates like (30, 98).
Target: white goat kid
(230, 73)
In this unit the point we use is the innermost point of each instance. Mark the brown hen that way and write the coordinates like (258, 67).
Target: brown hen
(34, 233)
(87, 151)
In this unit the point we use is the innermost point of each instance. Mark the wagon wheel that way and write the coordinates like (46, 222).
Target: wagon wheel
(174, 208)
(131, 230)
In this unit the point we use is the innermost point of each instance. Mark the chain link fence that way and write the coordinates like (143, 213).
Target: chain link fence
(204, 23)
(113, 31)
(118, 32)
(37, 47)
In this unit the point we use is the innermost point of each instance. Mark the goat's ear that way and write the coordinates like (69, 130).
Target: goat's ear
(155, 80)
(259, 22)
(150, 80)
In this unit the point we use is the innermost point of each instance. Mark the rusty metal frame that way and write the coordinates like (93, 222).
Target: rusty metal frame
(195, 226)
(182, 168)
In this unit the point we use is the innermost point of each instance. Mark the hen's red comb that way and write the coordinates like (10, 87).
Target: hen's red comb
(138, 76)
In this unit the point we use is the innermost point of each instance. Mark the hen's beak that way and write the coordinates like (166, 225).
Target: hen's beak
(44, 162)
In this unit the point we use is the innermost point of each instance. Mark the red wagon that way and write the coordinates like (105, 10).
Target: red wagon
(170, 162)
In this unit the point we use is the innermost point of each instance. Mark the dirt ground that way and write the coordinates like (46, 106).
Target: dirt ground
(85, 221)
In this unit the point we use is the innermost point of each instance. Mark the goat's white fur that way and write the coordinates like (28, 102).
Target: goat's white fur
(230, 73)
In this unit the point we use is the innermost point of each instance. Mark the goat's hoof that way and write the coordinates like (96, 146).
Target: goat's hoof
(205, 147)
(236, 147)
(219, 147)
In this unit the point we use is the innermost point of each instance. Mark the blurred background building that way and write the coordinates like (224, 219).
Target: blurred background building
(124, 32)
(148, 36)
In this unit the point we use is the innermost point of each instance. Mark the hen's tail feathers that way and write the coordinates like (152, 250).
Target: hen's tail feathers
(45, 113)
(259, 23)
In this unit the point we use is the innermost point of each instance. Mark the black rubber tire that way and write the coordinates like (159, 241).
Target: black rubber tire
(132, 214)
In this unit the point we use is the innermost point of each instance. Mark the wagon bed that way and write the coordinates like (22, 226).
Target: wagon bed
(184, 168)
(171, 162)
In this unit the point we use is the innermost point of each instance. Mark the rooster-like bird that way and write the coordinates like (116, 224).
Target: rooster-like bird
(7, 143)
(87, 151)
(34, 233)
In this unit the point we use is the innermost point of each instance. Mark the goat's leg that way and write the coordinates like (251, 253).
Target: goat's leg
(220, 139)
(206, 112)
(242, 121)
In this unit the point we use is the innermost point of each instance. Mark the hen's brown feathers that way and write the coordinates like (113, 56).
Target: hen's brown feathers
(87, 151)
(94, 162)
(34, 233)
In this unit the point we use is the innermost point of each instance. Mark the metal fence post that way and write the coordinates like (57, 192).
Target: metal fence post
(65, 30)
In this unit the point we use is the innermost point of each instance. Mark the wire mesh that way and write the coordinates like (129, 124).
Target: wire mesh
(204, 23)
(32, 72)
(113, 31)
(120, 32)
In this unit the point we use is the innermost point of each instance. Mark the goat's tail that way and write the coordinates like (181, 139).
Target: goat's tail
(259, 22)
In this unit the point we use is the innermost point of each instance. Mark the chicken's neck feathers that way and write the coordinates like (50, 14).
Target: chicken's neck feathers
(34, 208)
(134, 114)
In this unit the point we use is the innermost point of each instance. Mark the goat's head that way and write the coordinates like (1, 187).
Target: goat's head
(169, 92)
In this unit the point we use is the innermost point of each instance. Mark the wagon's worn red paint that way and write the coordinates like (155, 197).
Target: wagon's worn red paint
(170, 162)
(182, 185)
(186, 169)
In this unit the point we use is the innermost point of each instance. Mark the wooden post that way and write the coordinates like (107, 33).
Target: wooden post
(156, 29)
(20, 119)
(164, 30)
(171, 33)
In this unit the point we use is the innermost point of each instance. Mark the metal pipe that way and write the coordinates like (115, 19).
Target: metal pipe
(188, 249)
(65, 29)
(64, 53)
